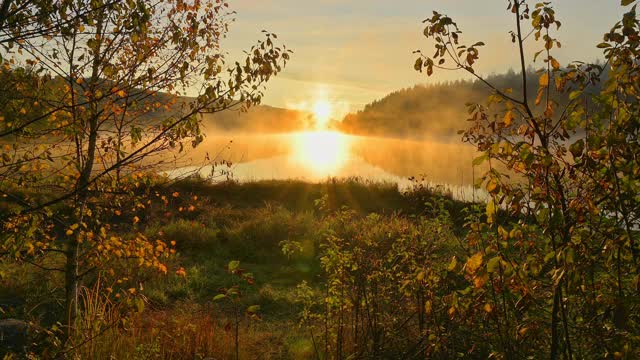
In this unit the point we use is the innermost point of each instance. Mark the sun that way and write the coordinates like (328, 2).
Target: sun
(322, 152)
(322, 111)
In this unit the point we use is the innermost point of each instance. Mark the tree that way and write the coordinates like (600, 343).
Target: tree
(95, 103)
(558, 246)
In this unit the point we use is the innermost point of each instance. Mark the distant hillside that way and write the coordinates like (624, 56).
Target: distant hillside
(261, 118)
(429, 110)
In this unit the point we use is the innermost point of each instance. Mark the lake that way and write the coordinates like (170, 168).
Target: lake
(318, 155)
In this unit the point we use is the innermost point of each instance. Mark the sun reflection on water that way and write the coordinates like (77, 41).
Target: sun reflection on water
(321, 152)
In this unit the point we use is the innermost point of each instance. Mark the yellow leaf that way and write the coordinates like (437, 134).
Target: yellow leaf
(474, 263)
(136, 219)
(492, 185)
(503, 233)
(491, 211)
(81, 28)
(69, 232)
(480, 280)
(555, 64)
(544, 80)
(508, 118)
(453, 264)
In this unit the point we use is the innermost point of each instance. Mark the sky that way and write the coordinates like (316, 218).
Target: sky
(351, 52)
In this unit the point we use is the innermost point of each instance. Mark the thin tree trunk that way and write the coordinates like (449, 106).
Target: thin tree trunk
(71, 284)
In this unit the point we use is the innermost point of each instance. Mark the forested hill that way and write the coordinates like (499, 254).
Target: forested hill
(430, 110)
(261, 118)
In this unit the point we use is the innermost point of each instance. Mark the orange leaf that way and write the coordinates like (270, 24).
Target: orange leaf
(474, 262)
(544, 80)
(508, 118)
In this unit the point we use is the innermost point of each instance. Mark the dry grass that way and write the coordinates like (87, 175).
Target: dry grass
(194, 331)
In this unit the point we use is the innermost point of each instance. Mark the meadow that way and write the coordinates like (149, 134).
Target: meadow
(277, 230)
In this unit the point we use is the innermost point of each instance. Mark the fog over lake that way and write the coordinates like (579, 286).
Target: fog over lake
(318, 155)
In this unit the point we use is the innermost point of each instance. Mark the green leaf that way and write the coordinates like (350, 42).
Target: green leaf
(139, 303)
(492, 264)
(219, 297)
(626, 2)
(575, 94)
(453, 264)
(577, 148)
(480, 159)
(233, 265)
(253, 309)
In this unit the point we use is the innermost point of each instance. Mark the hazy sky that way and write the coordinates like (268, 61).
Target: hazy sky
(355, 51)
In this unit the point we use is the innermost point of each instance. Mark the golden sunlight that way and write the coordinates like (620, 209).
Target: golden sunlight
(322, 152)
(322, 111)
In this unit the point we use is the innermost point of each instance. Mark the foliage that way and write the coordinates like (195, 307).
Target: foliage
(234, 295)
(554, 264)
(385, 289)
(93, 103)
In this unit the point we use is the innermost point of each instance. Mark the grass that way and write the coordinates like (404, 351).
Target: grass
(248, 222)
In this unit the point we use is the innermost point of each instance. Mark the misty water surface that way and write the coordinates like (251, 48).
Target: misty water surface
(317, 156)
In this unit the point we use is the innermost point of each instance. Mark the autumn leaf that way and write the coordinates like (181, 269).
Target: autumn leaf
(480, 280)
(453, 264)
(474, 263)
(508, 118)
(492, 185)
(544, 80)
(491, 211)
